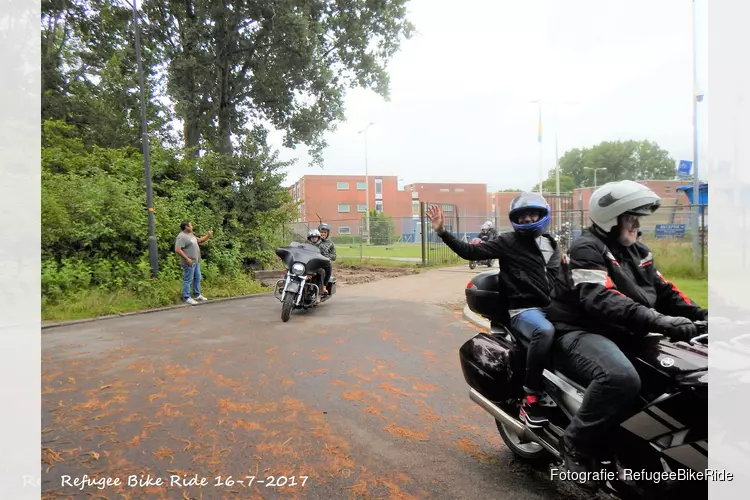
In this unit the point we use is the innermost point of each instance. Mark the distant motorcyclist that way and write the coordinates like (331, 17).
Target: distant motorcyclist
(611, 299)
(314, 237)
(487, 231)
(529, 260)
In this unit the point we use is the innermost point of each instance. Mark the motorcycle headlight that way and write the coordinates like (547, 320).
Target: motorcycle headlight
(298, 268)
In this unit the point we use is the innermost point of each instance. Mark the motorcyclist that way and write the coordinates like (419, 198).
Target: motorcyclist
(314, 238)
(529, 261)
(609, 303)
(487, 231)
(327, 247)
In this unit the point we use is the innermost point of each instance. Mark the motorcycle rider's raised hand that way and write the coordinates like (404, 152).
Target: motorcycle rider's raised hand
(676, 328)
(435, 214)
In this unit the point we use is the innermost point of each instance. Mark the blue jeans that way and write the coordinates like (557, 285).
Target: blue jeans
(540, 334)
(191, 275)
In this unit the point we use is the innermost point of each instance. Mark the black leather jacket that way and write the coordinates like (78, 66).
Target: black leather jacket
(614, 290)
(524, 276)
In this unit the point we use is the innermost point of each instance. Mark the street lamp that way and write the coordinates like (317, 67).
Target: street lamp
(697, 97)
(367, 185)
(152, 248)
(595, 171)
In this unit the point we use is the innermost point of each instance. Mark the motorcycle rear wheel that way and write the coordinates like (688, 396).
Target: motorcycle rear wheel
(472, 265)
(529, 451)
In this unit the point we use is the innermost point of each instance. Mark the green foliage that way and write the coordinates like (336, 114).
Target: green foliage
(620, 160)
(94, 226)
(231, 69)
(382, 228)
(287, 63)
(567, 184)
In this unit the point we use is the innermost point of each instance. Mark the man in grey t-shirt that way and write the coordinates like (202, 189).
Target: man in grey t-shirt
(186, 245)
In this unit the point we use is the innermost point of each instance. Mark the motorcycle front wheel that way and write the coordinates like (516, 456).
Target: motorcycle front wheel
(472, 265)
(286, 307)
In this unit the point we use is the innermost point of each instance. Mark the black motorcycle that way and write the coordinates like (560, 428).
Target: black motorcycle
(302, 285)
(658, 450)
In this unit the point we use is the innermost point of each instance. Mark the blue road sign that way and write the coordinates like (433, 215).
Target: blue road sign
(670, 231)
(684, 169)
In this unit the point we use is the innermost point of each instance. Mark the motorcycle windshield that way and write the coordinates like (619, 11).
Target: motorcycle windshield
(304, 253)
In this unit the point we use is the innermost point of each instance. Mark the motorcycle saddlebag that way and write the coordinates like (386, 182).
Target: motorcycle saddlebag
(493, 365)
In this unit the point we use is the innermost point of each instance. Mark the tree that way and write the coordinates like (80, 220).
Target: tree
(285, 62)
(382, 228)
(567, 184)
(89, 76)
(619, 160)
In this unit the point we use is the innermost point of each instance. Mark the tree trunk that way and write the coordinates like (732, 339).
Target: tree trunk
(225, 112)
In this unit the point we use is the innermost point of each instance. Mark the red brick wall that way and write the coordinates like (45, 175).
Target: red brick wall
(321, 196)
(471, 199)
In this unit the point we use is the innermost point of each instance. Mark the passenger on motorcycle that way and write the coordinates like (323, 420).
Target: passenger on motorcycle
(314, 237)
(487, 231)
(529, 260)
(610, 301)
(327, 247)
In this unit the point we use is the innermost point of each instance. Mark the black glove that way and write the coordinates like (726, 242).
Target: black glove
(676, 328)
(703, 315)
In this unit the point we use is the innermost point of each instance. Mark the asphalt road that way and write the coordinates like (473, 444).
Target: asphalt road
(361, 398)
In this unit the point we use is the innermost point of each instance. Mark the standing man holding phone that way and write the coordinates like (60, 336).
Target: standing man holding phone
(187, 246)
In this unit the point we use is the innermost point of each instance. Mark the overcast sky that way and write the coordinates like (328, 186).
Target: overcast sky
(460, 89)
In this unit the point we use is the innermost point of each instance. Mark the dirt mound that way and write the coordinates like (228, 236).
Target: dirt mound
(367, 274)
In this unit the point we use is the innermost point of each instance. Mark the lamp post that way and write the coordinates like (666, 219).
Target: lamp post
(367, 185)
(595, 171)
(697, 97)
(152, 247)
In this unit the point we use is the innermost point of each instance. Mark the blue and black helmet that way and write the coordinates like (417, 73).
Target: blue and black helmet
(526, 202)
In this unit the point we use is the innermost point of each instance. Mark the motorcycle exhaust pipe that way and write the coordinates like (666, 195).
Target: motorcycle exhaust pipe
(517, 427)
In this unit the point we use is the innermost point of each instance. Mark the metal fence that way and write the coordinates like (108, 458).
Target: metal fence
(434, 251)
(411, 239)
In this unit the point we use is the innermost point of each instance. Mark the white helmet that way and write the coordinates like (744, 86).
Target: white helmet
(487, 225)
(617, 198)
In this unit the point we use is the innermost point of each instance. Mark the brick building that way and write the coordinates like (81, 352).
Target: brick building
(341, 202)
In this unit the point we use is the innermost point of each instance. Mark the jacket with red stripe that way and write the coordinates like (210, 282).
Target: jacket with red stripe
(614, 290)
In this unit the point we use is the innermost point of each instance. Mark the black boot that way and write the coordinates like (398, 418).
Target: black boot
(581, 465)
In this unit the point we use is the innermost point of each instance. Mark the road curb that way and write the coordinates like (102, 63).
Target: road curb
(476, 319)
(50, 326)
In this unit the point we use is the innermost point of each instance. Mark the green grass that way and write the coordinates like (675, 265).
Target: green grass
(354, 262)
(696, 289)
(147, 295)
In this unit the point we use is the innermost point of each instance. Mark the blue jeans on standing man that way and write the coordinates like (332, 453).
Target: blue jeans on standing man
(191, 275)
(540, 333)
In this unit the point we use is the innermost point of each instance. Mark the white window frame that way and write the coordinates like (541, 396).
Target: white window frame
(379, 202)
(342, 183)
(348, 208)
(347, 232)
(362, 208)
(361, 186)
(379, 187)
